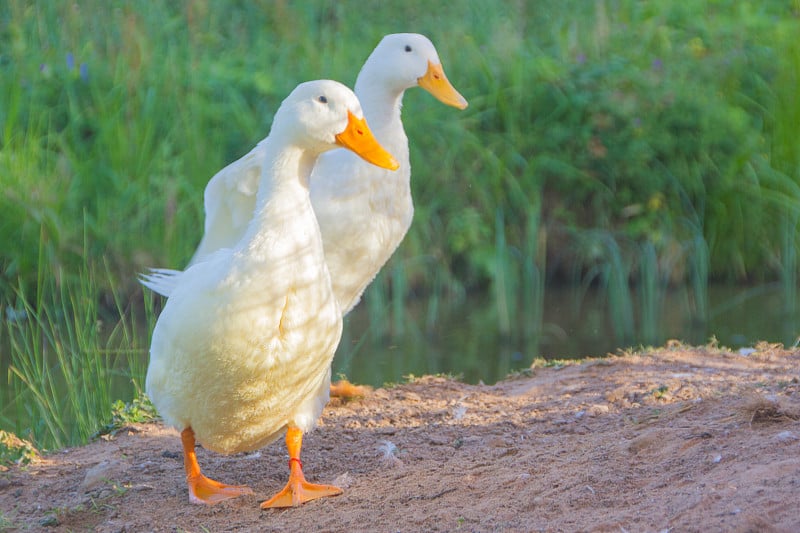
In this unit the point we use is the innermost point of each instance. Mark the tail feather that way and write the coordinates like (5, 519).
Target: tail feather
(161, 280)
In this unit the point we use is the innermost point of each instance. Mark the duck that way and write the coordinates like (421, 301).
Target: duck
(378, 205)
(242, 350)
(364, 211)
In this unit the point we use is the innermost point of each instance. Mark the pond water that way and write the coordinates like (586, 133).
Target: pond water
(464, 340)
(379, 346)
(383, 344)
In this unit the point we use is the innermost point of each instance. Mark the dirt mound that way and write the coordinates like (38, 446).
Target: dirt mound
(680, 439)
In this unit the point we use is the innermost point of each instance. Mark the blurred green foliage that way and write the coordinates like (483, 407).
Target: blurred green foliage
(650, 121)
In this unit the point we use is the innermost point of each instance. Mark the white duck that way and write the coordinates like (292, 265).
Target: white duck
(363, 211)
(243, 347)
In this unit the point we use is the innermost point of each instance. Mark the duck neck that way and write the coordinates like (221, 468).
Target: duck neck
(283, 197)
(382, 109)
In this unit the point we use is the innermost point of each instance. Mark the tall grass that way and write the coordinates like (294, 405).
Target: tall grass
(785, 159)
(534, 270)
(651, 294)
(71, 351)
(627, 117)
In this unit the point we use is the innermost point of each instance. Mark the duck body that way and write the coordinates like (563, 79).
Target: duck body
(364, 213)
(244, 344)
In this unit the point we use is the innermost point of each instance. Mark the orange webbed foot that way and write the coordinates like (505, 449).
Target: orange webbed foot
(206, 491)
(297, 490)
(345, 389)
(203, 490)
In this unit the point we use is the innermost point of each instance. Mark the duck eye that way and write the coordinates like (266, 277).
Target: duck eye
(408, 48)
(323, 99)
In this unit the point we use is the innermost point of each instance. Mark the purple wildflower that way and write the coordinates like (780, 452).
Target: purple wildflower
(70, 61)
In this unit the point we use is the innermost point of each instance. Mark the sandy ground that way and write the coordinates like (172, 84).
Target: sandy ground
(675, 439)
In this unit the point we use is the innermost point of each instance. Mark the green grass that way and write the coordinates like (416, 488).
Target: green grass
(70, 348)
(644, 114)
(785, 160)
(632, 147)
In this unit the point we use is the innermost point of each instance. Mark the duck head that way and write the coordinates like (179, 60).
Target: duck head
(324, 115)
(405, 60)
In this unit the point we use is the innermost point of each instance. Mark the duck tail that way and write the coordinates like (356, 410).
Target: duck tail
(161, 280)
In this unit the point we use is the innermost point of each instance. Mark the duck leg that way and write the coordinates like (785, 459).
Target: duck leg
(297, 489)
(203, 490)
(345, 389)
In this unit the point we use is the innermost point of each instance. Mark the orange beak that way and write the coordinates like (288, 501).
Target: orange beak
(435, 82)
(358, 138)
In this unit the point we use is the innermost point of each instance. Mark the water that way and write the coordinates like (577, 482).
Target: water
(464, 339)
(383, 343)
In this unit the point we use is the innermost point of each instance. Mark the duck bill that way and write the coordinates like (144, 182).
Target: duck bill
(435, 82)
(359, 138)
